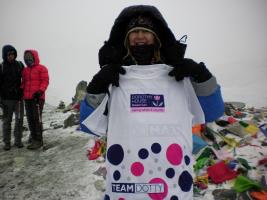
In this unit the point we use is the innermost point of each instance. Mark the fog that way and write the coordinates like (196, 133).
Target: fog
(229, 36)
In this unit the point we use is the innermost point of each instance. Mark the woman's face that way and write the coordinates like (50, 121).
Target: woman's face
(141, 37)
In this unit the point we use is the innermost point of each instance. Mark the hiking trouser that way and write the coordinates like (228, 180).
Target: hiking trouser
(10, 107)
(34, 117)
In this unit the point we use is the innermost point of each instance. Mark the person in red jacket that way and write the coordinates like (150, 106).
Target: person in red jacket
(35, 80)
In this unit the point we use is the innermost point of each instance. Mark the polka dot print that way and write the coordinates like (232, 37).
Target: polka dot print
(115, 154)
(156, 148)
(170, 173)
(174, 154)
(185, 181)
(187, 160)
(116, 175)
(143, 153)
(137, 169)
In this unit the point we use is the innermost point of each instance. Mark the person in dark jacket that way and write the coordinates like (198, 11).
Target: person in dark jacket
(152, 96)
(35, 80)
(11, 96)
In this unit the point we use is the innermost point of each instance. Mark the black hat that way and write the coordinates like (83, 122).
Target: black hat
(144, 23)
(141, 21)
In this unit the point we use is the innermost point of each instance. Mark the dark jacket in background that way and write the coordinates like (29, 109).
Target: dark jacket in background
(10, 76)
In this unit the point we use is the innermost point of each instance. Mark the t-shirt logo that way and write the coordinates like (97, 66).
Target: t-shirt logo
(146, 188)
(147, 103)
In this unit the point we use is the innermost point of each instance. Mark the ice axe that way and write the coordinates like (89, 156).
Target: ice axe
(39, 113)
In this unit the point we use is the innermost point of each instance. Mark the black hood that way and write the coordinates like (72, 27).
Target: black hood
(119, 29)
(114, 50)
(6, 49)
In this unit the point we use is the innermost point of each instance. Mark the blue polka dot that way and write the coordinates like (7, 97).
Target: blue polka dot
(185, 181)
(143, 153)
(116, 175)
(170, 173)
(115, 154)
(156, 148)
(187, 160)
(106, 197)
(174, 198)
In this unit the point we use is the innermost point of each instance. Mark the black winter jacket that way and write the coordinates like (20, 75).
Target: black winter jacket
(10, 80)
(10, 76)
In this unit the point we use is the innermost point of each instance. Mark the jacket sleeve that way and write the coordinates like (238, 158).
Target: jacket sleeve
(210, 98)
(85, 111)
(44, 79)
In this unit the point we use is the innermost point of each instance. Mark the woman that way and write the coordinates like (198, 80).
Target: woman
(148, 115)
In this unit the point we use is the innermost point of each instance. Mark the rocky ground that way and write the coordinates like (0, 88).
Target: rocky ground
(61, 170)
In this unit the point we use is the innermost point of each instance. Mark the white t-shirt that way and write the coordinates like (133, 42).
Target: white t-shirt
(149, 131)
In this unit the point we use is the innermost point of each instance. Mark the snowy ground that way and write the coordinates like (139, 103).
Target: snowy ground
(62, 171)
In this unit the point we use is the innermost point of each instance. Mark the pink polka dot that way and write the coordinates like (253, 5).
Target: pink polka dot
(121, 198)
(174, 154)
(137, 169)
(159, 196)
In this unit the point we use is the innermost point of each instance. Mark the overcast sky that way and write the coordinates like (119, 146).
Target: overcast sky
(228, 35)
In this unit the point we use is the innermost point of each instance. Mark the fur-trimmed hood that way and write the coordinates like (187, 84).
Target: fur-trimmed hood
(114, 50)
(119, 29)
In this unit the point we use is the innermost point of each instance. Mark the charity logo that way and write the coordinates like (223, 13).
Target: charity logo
(147, 103)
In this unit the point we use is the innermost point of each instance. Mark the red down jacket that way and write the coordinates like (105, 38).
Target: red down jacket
(34, 78)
